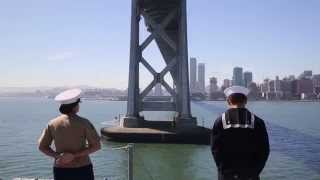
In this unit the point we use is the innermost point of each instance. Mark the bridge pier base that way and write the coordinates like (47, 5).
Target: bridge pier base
(182, 122)
(158, 132)
(132, 122)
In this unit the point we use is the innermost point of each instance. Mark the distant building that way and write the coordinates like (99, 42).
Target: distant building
(316, 83)
(264, 86)
(277, 84)
(287, 88)
(303, 88)
(237, 79)
(226, 84)
(265, 89)
(291, 77)
(271, 86)
(306, 75)
(201, 78)
(214, 93)
(277, 88)
(272, 90)
(213, 85)
(254, 91)
(193, 75)
(247, 78)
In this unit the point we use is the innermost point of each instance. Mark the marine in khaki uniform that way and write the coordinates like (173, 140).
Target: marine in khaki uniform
(74, 138)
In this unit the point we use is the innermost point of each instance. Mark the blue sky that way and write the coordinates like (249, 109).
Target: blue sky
(57, 43)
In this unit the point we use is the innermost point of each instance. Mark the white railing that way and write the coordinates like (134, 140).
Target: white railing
(129, 148)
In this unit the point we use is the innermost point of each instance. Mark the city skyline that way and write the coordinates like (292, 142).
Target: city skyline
(88, 42)
(305, 86)
(220, 82)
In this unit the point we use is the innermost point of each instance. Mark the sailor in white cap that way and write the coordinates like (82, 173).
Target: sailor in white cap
(74, 139)
(239, 139)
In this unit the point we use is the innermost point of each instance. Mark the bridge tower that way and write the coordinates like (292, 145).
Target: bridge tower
(166, 20)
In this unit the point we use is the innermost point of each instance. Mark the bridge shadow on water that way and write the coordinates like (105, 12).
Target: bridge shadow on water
(297, 145)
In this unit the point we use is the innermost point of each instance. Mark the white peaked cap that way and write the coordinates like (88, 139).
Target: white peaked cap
(69, 96)
(236, 89)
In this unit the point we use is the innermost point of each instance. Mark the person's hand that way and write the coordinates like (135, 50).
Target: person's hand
(65, 158)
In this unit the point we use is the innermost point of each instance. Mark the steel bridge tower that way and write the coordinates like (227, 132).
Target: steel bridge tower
(166, 20)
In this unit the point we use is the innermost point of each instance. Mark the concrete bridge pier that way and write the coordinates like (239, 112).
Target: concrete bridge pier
(166, 20)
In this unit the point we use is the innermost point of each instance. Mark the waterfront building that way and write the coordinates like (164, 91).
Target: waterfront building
(226, 84)
(306, 75)
(292, 77)
(303, 88)
(254, 91)
(264, 86)
(214, 93)
(277, 88)
(213, 85)
(193, 75)
(237, 79)
(271, 86)
(264, 89)
(271, 90)
(201, 78)
(247, 78)
(316, 83)
(277, 84)
(287, 88)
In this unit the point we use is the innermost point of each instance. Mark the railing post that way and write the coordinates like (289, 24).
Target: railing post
(130, 161)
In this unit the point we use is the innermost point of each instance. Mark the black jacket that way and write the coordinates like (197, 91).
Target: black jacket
(239, 143)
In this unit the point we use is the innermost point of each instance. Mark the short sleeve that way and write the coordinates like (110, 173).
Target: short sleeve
(46, 138)
(91, 134)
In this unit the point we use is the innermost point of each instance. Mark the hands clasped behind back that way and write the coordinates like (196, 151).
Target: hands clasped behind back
(65, 158)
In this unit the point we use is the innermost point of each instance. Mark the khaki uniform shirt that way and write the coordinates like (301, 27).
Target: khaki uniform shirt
(71, 134)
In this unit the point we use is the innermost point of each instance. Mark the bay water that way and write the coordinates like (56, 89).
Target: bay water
(293, 127)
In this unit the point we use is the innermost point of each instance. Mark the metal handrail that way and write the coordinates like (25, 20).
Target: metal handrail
(128, 148)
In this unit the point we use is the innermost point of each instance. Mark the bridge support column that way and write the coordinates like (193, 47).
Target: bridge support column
(132, 118)
(184, 116)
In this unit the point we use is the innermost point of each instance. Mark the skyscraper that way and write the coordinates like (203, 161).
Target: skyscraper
(247, 78)
(237, 79)
(193, 75)
(201, 77)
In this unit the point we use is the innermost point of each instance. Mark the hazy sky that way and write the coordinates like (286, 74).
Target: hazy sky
(83, 42)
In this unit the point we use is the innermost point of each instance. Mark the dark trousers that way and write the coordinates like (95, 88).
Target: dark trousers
(236, 177)
(81, 173)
